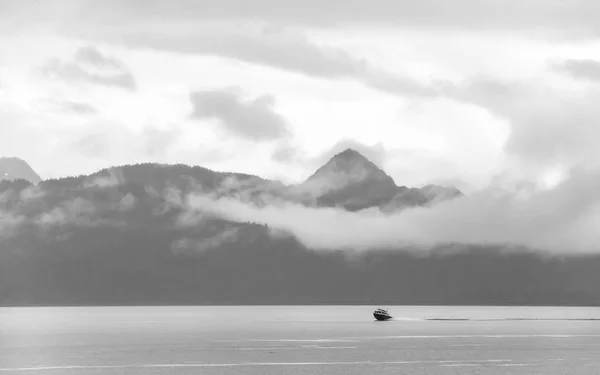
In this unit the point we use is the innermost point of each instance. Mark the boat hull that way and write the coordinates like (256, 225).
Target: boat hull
(382, 317)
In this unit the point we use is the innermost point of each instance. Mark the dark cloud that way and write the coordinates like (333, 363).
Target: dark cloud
(548, 125)
(232, 31)
(248, 118)
(580, 69)
(89, 65)
(280, 48)
(525, 16)
(90, 55)
(230, 35)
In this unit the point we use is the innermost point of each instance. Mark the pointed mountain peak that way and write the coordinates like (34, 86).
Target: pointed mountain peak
(349, 153)
(351, 163)
(351, 156)
(350, 180)
(351, 172)
(14, 169)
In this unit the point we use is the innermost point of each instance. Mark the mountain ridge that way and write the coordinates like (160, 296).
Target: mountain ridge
(129, 235)
(347, 180)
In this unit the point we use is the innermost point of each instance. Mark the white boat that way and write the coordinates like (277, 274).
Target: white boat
(381, 314)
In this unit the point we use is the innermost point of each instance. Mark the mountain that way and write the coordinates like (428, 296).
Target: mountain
(15, 168)
(351, 181)
(129, 235)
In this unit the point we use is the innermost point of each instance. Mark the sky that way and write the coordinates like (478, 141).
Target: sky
(471, 93)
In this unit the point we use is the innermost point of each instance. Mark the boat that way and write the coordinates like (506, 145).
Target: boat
(381, 314)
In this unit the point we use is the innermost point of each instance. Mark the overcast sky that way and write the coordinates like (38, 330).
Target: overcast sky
(466, 92)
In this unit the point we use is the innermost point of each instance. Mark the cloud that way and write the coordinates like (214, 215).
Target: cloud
(549, 126)
(251, 40)
(396, 84)
(81, 213)
(32, 192)
(563, 219)
(158, 141)
(277, 47)
(30, 206)
(114, 178)
(127, 202)
(286, 153)
(280, 48)
(527, 16)
(93, 144)
(9, 223)
(101, 139)
(196, 246)
(173, 199)
(77, 211)
(253, 119)
(77, 107)
(90, 66)
(90, 55)
(580, 69)
(36, 206)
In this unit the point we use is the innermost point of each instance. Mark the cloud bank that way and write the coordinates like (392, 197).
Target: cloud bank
(563, 219)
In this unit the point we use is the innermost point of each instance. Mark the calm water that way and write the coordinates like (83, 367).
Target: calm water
(299, 340)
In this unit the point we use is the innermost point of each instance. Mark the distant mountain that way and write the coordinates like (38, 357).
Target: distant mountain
(15, 168)
(351, 181)
(128, 235)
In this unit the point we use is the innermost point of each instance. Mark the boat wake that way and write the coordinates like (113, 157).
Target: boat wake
(510, 319)
(406, 319)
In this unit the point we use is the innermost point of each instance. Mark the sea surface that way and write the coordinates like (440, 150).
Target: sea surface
(299, 340)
